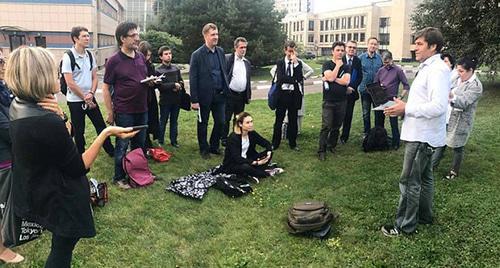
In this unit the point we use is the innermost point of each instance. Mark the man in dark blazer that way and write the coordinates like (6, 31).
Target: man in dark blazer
(289, 83)
(353, 61)
(240, 92)
(208, 87)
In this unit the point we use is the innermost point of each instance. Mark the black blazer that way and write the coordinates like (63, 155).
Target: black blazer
(248, 67)
(201, 84)
(232, 154)
(296, 79)
(356, 74)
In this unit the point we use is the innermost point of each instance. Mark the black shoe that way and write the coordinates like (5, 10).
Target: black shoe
(343, 141)
(331, 149)
(275, 147)
(321, 156)
(176, 145)
(391, 231)
(295, 148)
(205, 155)
(215, 151)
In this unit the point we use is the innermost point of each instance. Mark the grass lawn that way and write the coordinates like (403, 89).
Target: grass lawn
(150, 227)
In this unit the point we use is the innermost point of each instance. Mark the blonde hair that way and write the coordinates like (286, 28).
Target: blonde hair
(208, 27)
(239, 120)
(31, 73)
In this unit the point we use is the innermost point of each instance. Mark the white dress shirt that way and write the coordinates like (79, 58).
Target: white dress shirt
(239, 78)
(425, 111)
(286, 86)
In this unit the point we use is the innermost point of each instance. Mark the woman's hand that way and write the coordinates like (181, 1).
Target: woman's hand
(50, 103)
(121, 132)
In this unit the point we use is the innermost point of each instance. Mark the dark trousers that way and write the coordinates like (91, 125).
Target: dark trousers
(121, 145)
(286, 103)
(153, 123)
(456, 162)
(380, 122)
(235, 104)
(169, 111)
(78, 121)
(251, 170)
(366, 103)
(332, 117)
(349, 110)
(61, 252)
(217, 108)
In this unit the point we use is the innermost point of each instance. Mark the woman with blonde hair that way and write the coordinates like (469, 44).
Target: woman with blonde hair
(49, 183)
(240, 156)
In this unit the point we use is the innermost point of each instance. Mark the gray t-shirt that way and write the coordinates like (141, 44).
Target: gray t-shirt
(82, 75)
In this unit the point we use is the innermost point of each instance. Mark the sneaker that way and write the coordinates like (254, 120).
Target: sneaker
(275, 171)
(451, 175)
(390, 231)
(122, 184)
(255, 179)
(176, 145)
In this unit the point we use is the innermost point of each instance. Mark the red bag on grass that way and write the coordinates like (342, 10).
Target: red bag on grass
(159, 154)
(136, 166)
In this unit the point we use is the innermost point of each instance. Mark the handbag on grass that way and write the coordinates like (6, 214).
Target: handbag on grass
(15, 230)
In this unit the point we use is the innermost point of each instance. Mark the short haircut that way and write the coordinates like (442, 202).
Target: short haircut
(144, 47)
(162, 49)
(208, 27)
(122, 31)
(31, 73)
(386, 55)
(75, 32)
(290, 44)
(238, 40)
(370, 38)
(450, 59)
(352, 41)
(432, 36)
(468, 63)
(338, 44)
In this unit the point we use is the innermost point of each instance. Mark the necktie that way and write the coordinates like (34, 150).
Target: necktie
(350, 62)
(289, 69)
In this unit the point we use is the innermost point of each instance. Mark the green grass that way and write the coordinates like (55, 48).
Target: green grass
(150, 227)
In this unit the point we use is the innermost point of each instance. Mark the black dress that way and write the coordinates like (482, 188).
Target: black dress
(153, 120)
(49, 184)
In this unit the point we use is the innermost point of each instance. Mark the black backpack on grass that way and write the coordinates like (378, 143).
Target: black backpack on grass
(310, 218)
(376, 140)
(233, 186)
(62, 81)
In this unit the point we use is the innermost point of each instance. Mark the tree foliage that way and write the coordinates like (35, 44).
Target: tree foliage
(256, 20)
(158, 39)
(469, 27)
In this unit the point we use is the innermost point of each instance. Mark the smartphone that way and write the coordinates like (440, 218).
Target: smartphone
(134, 128)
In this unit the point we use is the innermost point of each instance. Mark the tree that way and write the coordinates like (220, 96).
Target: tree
(469, 27)
(158, 39)
(256, 20)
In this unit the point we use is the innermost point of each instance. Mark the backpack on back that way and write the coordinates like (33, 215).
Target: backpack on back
(310, 218)
(376, 140)
(136, 166)
(62, 80)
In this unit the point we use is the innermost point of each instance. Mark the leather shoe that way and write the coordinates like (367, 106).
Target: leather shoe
(215, 151)
(295, 148)
(322, 156)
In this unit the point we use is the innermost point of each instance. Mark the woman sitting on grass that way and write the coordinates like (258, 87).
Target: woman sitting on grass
(463, 102)
(240, 156)
(49, 184)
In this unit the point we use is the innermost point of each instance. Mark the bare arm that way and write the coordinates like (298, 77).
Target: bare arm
(73, 86)
(107, 102)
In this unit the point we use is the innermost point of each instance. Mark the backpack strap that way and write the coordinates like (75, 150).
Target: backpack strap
(91, 59)
(72, 59)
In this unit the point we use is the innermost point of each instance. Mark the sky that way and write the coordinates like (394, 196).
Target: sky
(327, 5)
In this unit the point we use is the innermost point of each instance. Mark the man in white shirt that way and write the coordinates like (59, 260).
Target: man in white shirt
(240, 92)
(80, 73)
(423, 129)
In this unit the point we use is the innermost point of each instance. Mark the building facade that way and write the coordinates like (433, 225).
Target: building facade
(47, 23)
(388, 20)
(142, 12)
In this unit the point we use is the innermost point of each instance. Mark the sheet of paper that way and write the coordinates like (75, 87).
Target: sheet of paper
(383, 106)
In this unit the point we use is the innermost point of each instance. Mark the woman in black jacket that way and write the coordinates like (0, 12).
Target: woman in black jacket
(49, 184)
(241, 157)
(153, 120)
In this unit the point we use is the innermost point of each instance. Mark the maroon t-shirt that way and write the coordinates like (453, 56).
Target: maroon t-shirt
(125, 75)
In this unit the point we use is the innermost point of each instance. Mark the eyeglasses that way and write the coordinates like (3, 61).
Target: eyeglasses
(351, 47)
(133, 35)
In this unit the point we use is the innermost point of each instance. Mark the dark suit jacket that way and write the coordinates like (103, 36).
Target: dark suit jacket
(230, 64)
(356, 74)
(201, 84)
(232, 154)
(296, 79)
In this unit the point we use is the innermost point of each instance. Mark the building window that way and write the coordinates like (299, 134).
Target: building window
(383, 39)
(349, 25)
(302, 25)
(16, 41)
(311, 25)
(41, 41)
(384, 29)
(356, 37)
(356, 22)
(337, 37)
(343, 23)
(327, 23)
(310, 38)
(385, 22)
(361, 37)
(349, 37)
(321, 38)
(326, 38)
(343, 37)
(337, 24)
(331, 38)
(300, 37)
(362, 23)
(332, 24)
(321, 26)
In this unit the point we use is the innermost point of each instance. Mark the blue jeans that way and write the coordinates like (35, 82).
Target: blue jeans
(416, 186)
(217, 107)
(168, 111)
(138, 141)
(366, 104)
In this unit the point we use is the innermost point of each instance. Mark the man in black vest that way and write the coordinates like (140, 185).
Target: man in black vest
(238, 70)
(289, 82)
(353, 61)
(208, 87)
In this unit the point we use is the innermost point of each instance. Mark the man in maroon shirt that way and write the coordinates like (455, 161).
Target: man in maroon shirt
(124, 71)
